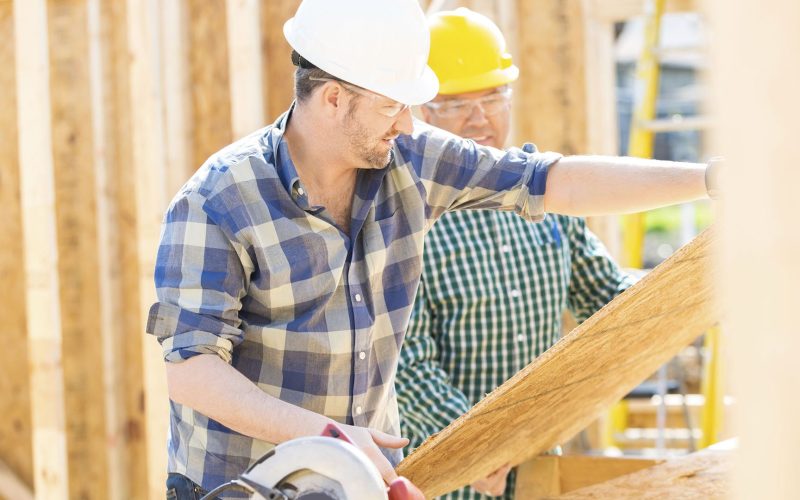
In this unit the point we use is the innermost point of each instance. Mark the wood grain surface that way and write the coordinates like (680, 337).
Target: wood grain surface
(563, 390)
(702, 475)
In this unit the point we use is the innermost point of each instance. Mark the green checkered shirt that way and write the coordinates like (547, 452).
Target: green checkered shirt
(490, 301)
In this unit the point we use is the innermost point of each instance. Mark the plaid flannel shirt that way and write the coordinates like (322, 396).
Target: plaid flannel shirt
(490, 301)
(249, 271)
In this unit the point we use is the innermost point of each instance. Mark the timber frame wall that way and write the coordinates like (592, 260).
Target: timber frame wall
(108, 106)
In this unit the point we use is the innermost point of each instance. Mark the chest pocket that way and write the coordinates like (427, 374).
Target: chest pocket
(392, 248)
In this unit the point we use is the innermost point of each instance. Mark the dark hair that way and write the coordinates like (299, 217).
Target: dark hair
(304, 85)
(306, 78)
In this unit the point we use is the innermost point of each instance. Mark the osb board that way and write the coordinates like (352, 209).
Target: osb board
(563, 390)
(702, 476)
(73, 162)
(15, 404)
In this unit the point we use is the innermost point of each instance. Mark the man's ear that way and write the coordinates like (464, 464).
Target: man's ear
(331, 98)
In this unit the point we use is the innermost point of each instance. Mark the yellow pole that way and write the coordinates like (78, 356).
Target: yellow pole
(711, 416)
(640, 140)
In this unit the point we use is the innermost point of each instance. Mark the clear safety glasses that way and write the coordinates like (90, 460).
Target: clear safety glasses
(462, 108)
(383, 105)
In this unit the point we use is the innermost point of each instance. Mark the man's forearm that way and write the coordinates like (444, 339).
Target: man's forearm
(600, 185)
(214, 388)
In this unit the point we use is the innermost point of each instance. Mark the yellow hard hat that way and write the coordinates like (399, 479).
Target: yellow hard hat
(468, 52)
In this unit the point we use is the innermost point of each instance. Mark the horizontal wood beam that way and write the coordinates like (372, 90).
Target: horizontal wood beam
(621, 10)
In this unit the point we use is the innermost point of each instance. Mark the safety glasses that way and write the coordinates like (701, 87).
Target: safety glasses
(462, 108)
(383, 105)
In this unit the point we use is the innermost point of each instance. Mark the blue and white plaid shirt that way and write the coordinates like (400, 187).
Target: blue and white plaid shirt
(249, 271)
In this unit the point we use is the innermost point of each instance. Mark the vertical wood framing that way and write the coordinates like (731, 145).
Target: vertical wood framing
(110, 285)
(130, 428)
(177, 93)
(601, 115)
(73, 161)
(244, 66)
(15, 405)
(147, 134)
(551, 104)
(208, 68)
(277, 65)
(754, 79)
(40, 249)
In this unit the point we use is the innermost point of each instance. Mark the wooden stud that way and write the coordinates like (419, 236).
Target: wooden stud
(110, 285)
(15, 405)
(177, 93)
(277, 65)
(147, 136)
(601, 116)
(73, 161)
(130, 427)
(244, 66)
(550, 101)
(754, 78)
(563, 390)
(40, 249)
(208, 67)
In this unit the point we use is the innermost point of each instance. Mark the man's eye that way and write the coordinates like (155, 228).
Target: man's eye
(456, 106)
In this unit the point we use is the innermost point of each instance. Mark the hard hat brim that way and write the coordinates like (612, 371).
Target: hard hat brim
(494, 78)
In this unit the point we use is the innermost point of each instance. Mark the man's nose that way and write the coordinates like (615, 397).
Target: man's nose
(477, 115)
(404, 123)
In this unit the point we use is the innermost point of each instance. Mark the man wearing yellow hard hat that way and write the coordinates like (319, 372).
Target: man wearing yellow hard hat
(494, 286)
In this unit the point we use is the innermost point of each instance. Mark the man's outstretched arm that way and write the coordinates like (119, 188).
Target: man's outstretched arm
(600, 185)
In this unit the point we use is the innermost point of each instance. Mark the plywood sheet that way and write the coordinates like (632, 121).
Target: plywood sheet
(559, 393)
(702, 475)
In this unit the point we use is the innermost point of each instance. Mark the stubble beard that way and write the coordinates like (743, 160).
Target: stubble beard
(372, 152)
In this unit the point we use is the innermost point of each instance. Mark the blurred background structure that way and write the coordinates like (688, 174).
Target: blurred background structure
(108, 106)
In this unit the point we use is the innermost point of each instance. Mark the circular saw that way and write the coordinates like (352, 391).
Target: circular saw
(317, 468)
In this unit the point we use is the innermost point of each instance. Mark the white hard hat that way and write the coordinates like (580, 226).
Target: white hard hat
(380, 45)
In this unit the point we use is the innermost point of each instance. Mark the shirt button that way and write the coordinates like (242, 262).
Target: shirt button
(358, 410)
(301, 191)
(520, 338)
(514, 292)
(505, 248)
(362, 355)
(357, 297)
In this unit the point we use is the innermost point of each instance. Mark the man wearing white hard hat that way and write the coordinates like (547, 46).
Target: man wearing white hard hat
(494, 286)
(288, 263)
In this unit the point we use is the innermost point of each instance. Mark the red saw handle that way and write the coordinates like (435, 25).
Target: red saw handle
(332, 430)
(400, 489)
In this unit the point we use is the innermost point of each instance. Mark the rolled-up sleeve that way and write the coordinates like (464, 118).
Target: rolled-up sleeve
(200, 281)
(458, 174)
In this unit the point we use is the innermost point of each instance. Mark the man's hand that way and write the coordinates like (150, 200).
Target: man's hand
(369, 440)
(494, 484)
